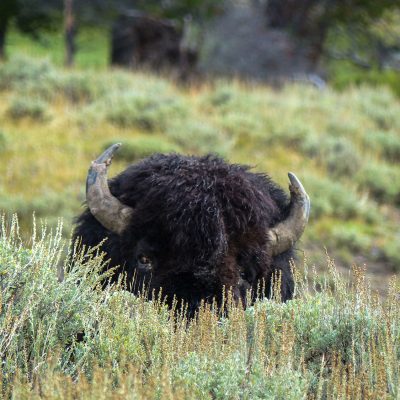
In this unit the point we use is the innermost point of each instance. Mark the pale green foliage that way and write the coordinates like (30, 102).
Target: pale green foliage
(4, 140)
(199, 136)
(22, 71)
(385, 143)
(337, 200)
(142, 146)
(28, 108)
(382, 181)
(338, 155)
(143, 111)
(332, 338)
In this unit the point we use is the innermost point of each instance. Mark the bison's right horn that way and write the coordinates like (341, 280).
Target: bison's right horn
(285, 234)
(105, 207)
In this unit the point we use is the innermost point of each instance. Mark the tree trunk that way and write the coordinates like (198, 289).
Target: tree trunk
(69, 31)
(3, 31)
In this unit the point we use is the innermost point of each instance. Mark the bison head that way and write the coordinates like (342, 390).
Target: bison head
(193, 225)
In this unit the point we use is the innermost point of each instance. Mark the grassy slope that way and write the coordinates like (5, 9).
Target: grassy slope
(344, 146)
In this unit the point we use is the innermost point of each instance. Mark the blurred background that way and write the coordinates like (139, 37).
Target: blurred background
(310, 86)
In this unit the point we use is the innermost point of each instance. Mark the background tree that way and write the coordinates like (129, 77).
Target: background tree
(312, 20)
(8, 9)
(30, 17)
(69, 32)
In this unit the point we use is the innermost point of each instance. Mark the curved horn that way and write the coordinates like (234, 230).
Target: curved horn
(285, 234)
(106, 208)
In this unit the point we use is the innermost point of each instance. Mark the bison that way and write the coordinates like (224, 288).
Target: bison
(193, 226)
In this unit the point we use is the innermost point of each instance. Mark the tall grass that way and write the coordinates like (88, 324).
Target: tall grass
(70, 337)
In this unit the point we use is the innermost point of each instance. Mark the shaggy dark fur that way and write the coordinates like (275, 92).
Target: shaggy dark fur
(201, 221)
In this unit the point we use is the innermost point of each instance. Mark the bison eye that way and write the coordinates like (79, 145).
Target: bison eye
(144, 261)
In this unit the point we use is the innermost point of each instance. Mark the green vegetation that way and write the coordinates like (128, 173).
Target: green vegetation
(143, 146)
(93, 47)
(27, 108)
(334, 340)
(343, 146)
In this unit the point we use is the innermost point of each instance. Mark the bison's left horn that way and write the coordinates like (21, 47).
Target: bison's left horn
(285, 234)
(105, 207)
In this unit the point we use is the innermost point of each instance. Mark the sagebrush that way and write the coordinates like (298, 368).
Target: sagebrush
(64, 334)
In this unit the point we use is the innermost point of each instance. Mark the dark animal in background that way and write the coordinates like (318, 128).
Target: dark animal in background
(194, 225)
(143, 41)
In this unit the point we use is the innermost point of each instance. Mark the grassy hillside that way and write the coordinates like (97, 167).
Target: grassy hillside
(345, 147)
(333, 341)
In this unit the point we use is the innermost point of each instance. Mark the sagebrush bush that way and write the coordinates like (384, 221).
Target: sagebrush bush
(3, 141)
(331, 198)
(199, 136)
(385, 143)
(143, 111)
(290, 132)
(243, 126)
(28, 108)
(351, 237)
(381, 180)
(67, 334)
(22, 70)
(228, 96)
(338, 155)
(48, 206)
(343, 127)
(381, 105)
(80, 86)
(388, 252)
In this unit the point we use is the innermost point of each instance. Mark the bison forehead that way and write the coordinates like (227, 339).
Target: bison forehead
(202, 203)
(182, 182)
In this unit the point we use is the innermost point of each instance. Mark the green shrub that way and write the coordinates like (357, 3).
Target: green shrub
(49, 206)
(3, 141)
(291, 131)
(198, 136)
(143, 146)
(132, 347)
(338, 154)
(46, 204)
(386, 143)
(20, 71)
(334, 199)
(43, 314)
(389, 252)
(381, 180)
(231, 97)
(81, 86)
(349, 128)
(141, 110)
(85, 86)
(75, 86)
(28, 108)
(345, 74)
(206, 379)
(351, 237)
(242, 125)
(380, 105)
(39, 78)
(322, 326)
